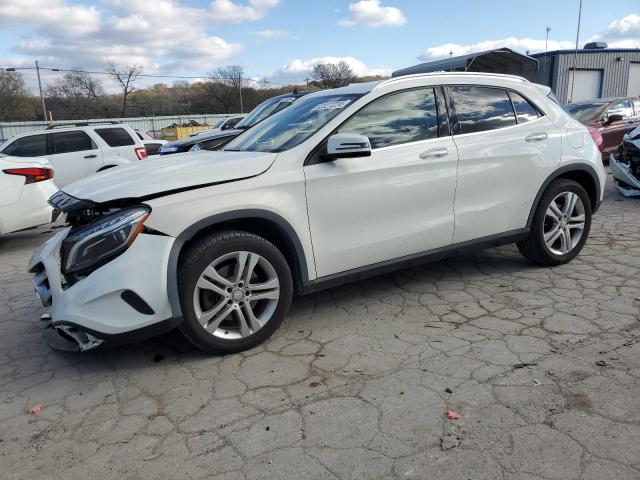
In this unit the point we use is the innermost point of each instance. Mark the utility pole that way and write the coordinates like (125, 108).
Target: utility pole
(575, 57)
(546, 41)
(240, 88)
(44, 108)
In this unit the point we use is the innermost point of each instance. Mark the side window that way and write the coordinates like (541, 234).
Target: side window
(524, 110)
(115, 136)
(31, 146)
(398, 118)
(623, 107)
(482, 108)
(66, 142)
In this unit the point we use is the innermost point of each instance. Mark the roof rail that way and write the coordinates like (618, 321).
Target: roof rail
(449, 74)
(82, 124)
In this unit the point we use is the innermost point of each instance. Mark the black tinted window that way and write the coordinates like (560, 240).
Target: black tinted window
(398, 118)
(115, 137)
(482, 108)
(32, 146)
(524, 110)
(65, 142)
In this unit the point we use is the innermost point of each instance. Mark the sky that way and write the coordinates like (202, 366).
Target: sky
(281, 40)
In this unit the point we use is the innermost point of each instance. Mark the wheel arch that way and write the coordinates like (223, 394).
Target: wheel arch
(582, 173)
(264, 223)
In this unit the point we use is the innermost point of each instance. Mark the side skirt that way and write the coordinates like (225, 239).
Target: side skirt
(414, 260)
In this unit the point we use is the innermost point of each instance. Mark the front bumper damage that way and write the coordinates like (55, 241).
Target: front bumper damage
(98, 309)
(624, 180)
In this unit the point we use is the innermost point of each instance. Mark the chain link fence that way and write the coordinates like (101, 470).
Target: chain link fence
(144, 124)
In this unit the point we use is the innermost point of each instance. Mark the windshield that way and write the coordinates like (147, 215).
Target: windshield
(219, 122)
(292, 126)
(265, 109)
(585, 112)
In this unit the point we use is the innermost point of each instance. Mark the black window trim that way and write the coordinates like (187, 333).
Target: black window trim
(455, 124)
(442, 116)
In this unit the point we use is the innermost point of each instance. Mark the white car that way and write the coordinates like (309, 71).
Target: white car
(77, 151)
(343, 184)
(25, 186)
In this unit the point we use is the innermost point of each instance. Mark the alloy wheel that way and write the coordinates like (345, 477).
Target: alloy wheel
(564, 223)
(236, 295)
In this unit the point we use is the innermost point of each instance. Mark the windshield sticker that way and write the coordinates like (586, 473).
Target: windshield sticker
(337, 105)
(288, 100)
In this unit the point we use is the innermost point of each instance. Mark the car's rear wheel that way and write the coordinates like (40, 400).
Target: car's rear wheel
(235, 289)
(561, 224)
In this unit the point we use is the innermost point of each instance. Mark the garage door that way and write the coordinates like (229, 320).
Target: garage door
(587, 85)
(633, 89)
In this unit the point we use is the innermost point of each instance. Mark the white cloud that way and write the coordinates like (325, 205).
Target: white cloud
(272, 34)
(229, 11)
(519, 44)
(372, 14)
(623, 33)
(297, 70)
(168, 36)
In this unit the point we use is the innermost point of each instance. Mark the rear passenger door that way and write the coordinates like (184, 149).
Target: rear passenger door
(74, 155)
(507, 148)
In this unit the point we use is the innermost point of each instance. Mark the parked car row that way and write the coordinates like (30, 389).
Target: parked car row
(610, 117)
(339, 185)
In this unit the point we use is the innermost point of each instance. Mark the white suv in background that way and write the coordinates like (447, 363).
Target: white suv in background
(77, 151)
(343, 184)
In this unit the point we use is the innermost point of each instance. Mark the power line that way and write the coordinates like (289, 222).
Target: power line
(145, 75)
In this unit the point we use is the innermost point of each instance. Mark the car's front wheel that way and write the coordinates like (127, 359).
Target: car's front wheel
(560, 226)
(235, 289)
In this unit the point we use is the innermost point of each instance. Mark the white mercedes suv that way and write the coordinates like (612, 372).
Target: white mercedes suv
(344, 184)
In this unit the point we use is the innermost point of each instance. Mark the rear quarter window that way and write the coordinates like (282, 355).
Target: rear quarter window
(115, 136)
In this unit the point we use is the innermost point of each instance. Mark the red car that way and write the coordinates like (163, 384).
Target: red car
(612, 117)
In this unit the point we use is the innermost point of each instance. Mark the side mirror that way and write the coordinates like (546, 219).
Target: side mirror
(347, 145)
(614, 117)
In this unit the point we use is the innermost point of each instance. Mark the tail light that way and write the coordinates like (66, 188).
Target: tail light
(141, 153)
(32, 175)
(597, 137)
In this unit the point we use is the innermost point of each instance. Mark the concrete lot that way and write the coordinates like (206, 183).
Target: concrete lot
(543, 365)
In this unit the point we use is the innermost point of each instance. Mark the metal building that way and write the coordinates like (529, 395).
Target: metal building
(599, 72)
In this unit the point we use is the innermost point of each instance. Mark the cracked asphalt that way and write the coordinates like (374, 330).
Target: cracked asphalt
(541, 364)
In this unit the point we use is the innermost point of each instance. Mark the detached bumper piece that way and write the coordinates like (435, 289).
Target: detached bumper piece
(70, 339)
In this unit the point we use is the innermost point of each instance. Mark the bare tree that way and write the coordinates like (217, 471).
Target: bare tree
(125, 79)
(15, 101)
(332, 75)
(225, 86)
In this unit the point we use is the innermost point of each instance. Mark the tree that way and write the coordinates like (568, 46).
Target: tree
(15, 101)
(332, 75)
(125, 80)
(225, 86)
(78, 93)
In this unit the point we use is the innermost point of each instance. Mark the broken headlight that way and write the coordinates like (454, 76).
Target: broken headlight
(103, 239)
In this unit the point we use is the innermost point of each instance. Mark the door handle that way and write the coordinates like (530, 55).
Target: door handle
(434, 153)
(536, 137)
(90, 156)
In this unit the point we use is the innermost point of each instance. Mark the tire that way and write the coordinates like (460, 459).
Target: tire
(564, 249)
(208, 281)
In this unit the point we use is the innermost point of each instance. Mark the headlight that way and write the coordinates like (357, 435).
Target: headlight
(168, 149)
(196, 148)
(103, 239)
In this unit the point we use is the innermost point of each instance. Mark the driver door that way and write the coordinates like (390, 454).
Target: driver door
(397, 202)
(613, 132)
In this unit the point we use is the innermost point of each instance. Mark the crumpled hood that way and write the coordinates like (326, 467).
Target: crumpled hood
(156, 176)
(205, 136)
